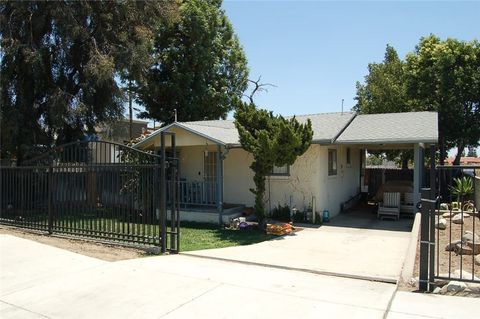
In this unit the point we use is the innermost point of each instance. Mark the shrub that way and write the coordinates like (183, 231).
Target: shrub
(281, 213)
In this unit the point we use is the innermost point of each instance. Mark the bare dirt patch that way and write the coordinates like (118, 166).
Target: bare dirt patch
(449, 260)
(101, 251)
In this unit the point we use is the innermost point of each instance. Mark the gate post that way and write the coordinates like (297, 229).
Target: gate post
(427, 235)
(173, 197)
(219, 185)
(163, 197)
(432, 206)
(424, 240)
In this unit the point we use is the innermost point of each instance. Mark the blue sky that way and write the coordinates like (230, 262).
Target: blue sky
(314, 52)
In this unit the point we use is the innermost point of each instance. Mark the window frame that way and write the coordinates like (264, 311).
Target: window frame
(332, 171)
(280, 174)
(348, 157)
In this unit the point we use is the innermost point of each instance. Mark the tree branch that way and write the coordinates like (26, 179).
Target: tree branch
(258, 87)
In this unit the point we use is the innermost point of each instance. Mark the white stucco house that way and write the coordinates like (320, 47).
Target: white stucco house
(216, 177)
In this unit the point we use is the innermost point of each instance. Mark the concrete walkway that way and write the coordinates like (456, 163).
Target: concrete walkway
(408, 305)
(39, 281)
(370, 252)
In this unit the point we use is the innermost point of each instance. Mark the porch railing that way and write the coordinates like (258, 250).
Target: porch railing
(196, 193)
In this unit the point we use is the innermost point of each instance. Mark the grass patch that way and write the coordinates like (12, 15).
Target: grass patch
(193, 236)
(197, 236)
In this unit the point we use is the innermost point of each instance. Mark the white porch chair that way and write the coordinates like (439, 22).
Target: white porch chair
(407, 206)
(390, 207)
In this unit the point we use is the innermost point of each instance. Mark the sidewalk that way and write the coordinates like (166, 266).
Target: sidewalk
(407, 305)
(39, 281)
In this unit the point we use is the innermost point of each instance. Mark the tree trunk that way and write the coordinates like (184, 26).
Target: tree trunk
(442, 149)
(461, 148)
(443, 177)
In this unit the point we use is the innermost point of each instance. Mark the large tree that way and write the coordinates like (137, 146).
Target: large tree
(200, 69)
(273, 141)
(62, 65)
(444, 76)
(384, 91)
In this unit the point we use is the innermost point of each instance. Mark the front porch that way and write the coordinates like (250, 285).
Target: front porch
(200, 188)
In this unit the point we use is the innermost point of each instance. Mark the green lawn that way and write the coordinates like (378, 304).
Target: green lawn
(195, 236)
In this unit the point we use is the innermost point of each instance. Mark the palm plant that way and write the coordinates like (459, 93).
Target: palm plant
(463, 187)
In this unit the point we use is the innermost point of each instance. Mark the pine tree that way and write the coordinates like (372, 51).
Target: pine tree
(200, 68)
(273, 141)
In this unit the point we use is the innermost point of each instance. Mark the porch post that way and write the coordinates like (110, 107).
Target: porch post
(219, 184)
(417, 171)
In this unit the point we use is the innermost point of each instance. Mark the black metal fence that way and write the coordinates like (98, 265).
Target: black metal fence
(450, 235)
(100, 190)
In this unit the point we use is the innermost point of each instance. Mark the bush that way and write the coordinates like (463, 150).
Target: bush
(299, 217)
(281, 213)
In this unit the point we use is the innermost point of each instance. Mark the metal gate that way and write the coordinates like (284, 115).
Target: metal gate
(101, 190)
(450, 235)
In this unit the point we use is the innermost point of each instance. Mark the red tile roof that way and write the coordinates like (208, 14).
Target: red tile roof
(465, 160)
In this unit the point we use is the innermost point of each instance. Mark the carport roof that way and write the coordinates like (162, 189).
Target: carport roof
(391, 128)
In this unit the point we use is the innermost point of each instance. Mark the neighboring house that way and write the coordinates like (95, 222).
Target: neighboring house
(119, 131)
(468, 160)
(215, 169)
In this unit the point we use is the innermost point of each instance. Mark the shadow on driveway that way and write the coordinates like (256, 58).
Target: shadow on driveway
(367, 219)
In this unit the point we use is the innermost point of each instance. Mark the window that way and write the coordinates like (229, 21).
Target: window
(281, 170)
(348, 156)
(332, 162)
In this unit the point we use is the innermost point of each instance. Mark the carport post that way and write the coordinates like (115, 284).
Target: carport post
(417, 171)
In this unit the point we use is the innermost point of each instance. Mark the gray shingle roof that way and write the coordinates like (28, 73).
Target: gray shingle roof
(326, 127)
(223, 131)
(342, 128)
(390, 128)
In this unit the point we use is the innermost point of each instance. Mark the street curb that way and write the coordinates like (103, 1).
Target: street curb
(409, 262)
(317, 272)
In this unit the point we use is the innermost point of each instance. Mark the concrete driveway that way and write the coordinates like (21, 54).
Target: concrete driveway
(39, 281)
(351, 245)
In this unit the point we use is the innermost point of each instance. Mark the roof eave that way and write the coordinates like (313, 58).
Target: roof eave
(151, 136)
(186, 128)
(322, 141)
(179, 125)
(389, 141)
